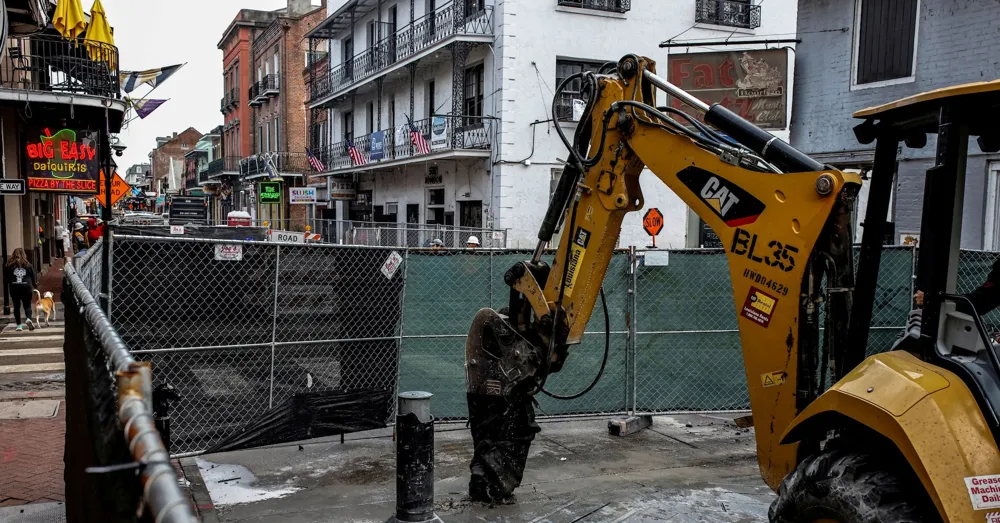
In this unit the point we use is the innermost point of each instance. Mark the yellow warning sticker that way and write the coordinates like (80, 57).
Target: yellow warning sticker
(772, 379)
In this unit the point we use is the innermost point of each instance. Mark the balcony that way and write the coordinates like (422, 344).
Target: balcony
(234, 98)
(203, 176)
(253, 95)
(54, 64)
(613, 6)
(270, 85)
(729, 13)
(230, 165)
(413, 41)
(462, 136)
(283, 164)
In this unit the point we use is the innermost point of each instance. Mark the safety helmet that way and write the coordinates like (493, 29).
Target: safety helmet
(472, 240)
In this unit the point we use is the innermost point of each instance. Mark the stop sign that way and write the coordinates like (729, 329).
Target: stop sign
(652, 221)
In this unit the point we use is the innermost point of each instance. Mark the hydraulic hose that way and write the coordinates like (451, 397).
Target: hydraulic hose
(604, 361)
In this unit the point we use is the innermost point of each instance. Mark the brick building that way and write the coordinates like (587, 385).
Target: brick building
(923, 45)
(168, 162)
(266, 118)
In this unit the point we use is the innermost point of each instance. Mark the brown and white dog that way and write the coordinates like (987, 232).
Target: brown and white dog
(47, 305)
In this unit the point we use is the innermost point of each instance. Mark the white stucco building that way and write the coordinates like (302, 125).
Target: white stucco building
(484, 73)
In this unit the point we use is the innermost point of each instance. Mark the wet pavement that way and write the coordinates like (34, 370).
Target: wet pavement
(685, 468)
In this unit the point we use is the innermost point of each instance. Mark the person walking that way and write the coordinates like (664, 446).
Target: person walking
(66, 245)
(20, 278)
(59, 231)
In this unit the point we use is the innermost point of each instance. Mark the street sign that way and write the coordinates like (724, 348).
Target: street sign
(286, 236)
(12, 187)
(119, 188)
(652, 221)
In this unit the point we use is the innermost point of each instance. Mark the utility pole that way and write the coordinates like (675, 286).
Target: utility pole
(106, 165)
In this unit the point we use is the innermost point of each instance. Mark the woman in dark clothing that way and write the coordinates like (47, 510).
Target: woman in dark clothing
(20, 277)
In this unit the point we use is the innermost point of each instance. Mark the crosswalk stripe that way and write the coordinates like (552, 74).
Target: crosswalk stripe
(30, 352)
(22, 339)
(32, 367)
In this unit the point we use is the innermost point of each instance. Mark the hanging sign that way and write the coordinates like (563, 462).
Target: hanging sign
(439, 132)
(377, 149)
(301, 195)
(270, 192)
(61, 160)
(341, 189)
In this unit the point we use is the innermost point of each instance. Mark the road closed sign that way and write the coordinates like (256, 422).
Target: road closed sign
(652, 221)
(286, 237)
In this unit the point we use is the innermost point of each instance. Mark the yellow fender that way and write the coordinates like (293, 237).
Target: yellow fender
(928, 413)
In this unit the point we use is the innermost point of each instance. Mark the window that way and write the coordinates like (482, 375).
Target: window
(260, 73)
(348, 130)
(277, 134)
(430, 99)
(372, 39)
(615, 6)
(473, 7)
(473, 104)
(277, 64)
(370, 115)
(392, 114)
(885, 45)
(260, 138)
(564, 69)
(554, 182)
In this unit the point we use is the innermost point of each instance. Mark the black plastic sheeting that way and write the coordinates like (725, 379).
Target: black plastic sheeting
(312, 415)
(501, 435)
(214, 232)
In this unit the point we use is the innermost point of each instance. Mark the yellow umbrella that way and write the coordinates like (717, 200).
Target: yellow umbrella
(69, 19)
(100, 43)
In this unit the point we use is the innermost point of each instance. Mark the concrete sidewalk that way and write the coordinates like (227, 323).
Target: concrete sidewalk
(685, 468)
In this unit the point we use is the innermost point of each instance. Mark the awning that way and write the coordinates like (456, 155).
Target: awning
(342, 18)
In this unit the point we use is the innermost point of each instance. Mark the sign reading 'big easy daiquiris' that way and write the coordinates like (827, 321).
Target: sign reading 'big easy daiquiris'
(61, 160)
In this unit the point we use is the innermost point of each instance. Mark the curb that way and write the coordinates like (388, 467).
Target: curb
(199, 492)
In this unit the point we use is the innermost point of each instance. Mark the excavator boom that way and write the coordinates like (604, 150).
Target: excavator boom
(783, 219)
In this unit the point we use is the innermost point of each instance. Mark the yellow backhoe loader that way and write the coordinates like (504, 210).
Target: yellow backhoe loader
(907, 435)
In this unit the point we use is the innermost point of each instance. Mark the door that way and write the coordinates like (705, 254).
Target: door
(391, 48)
(348, 58)
(431, 21)
(470, 214)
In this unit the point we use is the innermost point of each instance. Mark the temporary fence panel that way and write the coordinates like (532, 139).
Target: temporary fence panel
(242, 328)
(109, 423)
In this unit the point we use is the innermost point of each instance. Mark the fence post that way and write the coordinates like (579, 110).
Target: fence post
(630, 344)
(274, 323)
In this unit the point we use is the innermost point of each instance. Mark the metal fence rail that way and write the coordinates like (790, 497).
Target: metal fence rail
(115, 458)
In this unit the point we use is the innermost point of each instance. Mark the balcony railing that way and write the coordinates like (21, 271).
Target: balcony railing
(253, 95)
(270, 85)
(220, 166)
(446, 21)
(281, 163)
(614, 6)
(54, 64)
(234, 97)
(460, 133)
(203, 175)
(224, 105)
(729, 13)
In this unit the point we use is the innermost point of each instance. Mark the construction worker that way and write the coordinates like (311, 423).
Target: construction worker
(472, 242)
(985, 298)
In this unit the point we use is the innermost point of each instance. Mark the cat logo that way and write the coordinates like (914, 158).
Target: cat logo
(729, 201)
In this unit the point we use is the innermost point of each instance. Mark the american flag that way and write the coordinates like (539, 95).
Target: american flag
(357, 158)
(418, 139)
(314, 162)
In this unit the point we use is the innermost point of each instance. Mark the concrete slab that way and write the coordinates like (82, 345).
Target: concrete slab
(682, 469)
(28, 409)
(34, 513)
(32, 367)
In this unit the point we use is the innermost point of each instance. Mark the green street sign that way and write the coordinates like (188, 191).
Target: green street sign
(270, 192)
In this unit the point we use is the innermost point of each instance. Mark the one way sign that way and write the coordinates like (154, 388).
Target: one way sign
(11, 187)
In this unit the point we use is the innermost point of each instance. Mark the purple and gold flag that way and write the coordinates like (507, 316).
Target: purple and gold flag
(143, 107)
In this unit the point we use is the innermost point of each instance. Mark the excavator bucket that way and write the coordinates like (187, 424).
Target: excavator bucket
(499, 360)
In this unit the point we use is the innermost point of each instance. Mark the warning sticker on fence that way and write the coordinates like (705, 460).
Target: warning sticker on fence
(984, 491)
(228, 252)
(391, 265)
(759, 307)
(772, 379)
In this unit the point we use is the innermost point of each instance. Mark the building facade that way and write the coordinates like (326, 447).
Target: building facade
(168, 166)
(475, 80)
(924, 45)
(265, 134)
(75, 102)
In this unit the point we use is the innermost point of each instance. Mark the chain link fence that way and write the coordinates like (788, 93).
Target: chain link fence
(248, 332)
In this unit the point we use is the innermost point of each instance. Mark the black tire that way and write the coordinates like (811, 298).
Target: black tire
(850, 487)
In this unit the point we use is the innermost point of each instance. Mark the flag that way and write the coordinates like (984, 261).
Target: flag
(153, 77)
(314, 162)
(357, 158)
(269, 167)
(145, 106)
(418, 139)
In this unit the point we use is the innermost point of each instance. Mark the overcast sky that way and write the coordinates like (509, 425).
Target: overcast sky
(155, 34)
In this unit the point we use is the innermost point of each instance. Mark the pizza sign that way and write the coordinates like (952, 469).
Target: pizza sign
(63, 160)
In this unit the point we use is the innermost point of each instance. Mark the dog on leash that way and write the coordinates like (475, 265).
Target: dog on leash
(45, 305)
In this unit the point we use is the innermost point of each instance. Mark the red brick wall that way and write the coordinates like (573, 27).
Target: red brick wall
(237, 48)
(175, 149)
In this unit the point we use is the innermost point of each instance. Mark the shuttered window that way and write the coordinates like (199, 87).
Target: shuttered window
(886, 40)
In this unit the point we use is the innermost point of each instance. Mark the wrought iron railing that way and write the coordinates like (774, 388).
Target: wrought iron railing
(281, 163)
(446, 21)
(253, 94)
(458, 133)
(269, 85)
(224, 104)
(729, 13)
(234, 97)
(220, 166)
(614, 6)
(54, 64)
(202, 175)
